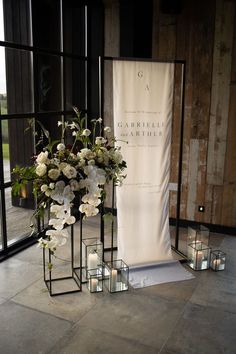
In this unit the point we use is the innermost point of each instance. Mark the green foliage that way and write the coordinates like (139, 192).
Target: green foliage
(22, 176)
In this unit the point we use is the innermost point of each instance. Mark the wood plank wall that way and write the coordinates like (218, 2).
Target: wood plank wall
(203, 34)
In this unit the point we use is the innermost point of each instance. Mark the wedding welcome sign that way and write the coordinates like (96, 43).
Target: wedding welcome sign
(142, 102)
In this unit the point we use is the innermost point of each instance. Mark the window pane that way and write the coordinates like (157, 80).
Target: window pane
(46, 24)
(74, 27)
(21, 143)
(21, 213)
(6, 152)
(15, 19)
(3, 95)
(75, 83)
(49, 83)
(18, 73)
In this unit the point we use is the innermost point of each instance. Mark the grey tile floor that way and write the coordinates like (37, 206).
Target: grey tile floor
(196, 316)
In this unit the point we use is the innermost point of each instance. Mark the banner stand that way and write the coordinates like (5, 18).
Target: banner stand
(102, 60)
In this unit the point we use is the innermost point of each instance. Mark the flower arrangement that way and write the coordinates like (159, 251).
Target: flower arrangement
(61, 172)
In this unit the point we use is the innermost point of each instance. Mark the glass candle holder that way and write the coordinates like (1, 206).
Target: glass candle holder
(118, 276)
(92, 253)
(95, 281)
(217, 260)
(195, 235)
(199, 256)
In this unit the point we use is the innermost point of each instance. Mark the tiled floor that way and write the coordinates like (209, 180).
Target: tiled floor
(196, 316)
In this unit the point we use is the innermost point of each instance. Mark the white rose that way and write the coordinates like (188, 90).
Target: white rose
(62, 165)
(69, 171)
(61, 147)
(54, 173)
(91, 162)
(51, 185)
(82, 163)
(44, 188)
(86, 153)
(41, 169)
(42, 157)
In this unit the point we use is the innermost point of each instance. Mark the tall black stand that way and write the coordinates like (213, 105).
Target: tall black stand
(74, 279)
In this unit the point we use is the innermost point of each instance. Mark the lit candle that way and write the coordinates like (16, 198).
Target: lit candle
(92, 261)
(216, 263)
(93, 285)
(113, 279)
(199, 258)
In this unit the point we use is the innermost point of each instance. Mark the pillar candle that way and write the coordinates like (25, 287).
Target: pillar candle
(113, 279)
(199, 258)
(92, 261)
(93, 285)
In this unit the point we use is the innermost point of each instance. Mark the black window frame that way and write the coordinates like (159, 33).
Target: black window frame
(91, 107)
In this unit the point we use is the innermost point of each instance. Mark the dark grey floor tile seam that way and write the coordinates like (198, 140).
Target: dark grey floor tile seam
(62, 342)
(26, 287)
(174, 327)
(216, 308)
(42, 312)
(157, 296)
(85, 314)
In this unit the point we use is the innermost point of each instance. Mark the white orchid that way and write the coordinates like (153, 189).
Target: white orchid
(88, 210)
(58, 224)
(100, 140)
(59, 237)
(74, 185)
(107, 130)
(62, 173)
(91, 199)
(86, 132)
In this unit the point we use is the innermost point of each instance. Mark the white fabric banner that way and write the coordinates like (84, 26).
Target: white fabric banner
(143, 100)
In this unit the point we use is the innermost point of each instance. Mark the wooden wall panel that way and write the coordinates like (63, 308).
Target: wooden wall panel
(201, 180)
(192, 178)
(217, 204)
(204, 35)
(221, 77)
(228, 217)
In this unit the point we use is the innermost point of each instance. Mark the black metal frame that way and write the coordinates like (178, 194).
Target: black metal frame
(36, 51)
(101, 110)
(76, 272)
